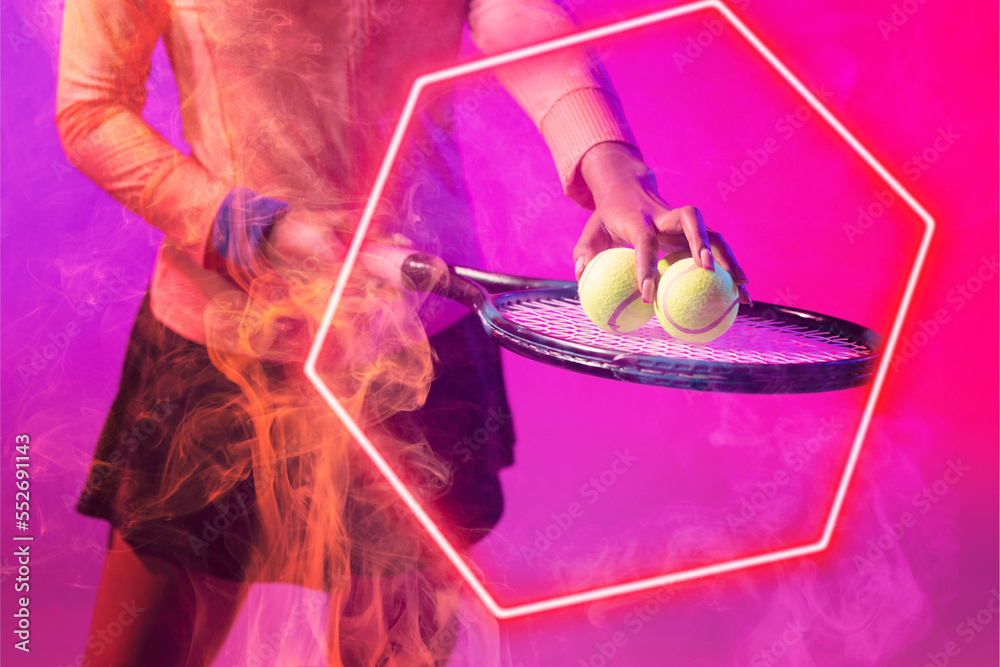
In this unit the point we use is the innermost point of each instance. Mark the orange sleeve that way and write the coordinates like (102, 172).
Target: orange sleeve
(104, 62)
(566, 93)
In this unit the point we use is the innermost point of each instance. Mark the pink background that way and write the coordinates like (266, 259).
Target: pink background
(73, 261)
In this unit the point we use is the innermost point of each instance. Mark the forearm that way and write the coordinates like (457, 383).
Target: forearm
(104, 60)
(136, 166)
(566, 93)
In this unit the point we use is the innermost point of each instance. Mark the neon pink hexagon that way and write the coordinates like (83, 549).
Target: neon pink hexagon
(459, 561)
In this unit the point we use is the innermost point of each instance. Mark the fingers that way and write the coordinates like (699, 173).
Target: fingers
(693, 226)
(727, 259)
(651, 229)
(646, 249)
(593, 240)
(637, 231)
(744, 295)
(707, 246)
(725, 256)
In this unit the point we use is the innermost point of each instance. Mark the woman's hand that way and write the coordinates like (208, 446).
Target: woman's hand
(306, 240)
(629, 211)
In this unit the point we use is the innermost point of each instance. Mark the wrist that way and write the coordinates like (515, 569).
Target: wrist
(611, 165)
(242, 225)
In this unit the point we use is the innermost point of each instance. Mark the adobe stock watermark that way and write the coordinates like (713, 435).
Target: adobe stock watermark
(101, 640)
(900, 16)
(958, 298)
(535, 205)
(968, 629)
(793, 633)
(881, 202)
(471, 443)
(381, 17)
(485, 86)
(785, 127)
(134, 97)
(635, 620)
(47, 14)
(696, 45)
(913, 169)
(923, 502)
(129, 439)
(463, 450)
(591, 491)
(57, 341)
(795, 461)
(271, 642)
(237, 504)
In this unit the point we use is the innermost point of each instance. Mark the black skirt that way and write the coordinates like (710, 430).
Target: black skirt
(466, 421)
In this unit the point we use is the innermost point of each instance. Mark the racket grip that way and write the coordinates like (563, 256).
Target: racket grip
(427, 273)
(406, 269)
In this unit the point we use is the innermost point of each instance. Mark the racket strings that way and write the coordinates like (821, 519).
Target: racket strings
(751, 340)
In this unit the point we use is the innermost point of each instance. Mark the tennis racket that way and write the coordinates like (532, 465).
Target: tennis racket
(769, 349)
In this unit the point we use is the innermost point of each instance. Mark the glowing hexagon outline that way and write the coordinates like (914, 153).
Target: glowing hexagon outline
(604, 592)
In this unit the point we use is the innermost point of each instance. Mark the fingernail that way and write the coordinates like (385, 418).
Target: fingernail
(707, 261)
(746, 294)
(647, 290)
(579, 267)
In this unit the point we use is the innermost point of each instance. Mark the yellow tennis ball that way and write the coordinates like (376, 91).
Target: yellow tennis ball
(609, 292)
(678, 255)
(665, 262)
(693, 304)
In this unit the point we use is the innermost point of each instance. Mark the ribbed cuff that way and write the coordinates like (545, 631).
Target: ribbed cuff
(242, 224)
(576, 122)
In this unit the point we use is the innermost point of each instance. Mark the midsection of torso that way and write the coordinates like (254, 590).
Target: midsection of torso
(295, 99)
(297, 96)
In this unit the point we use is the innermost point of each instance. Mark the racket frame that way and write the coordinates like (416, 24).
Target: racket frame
(487, 293)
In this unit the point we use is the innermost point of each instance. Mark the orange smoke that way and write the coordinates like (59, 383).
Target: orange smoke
(327, 518)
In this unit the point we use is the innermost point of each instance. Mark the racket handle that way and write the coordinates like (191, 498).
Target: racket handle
(421, 272)
(405, 268)
(426, 273)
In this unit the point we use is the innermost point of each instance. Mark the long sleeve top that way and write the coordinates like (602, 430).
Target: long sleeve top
(295, 100)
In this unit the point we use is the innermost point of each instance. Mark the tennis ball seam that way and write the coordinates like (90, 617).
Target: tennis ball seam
(613, 320)
(610, 295)
(708, 327)
(687, 293)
